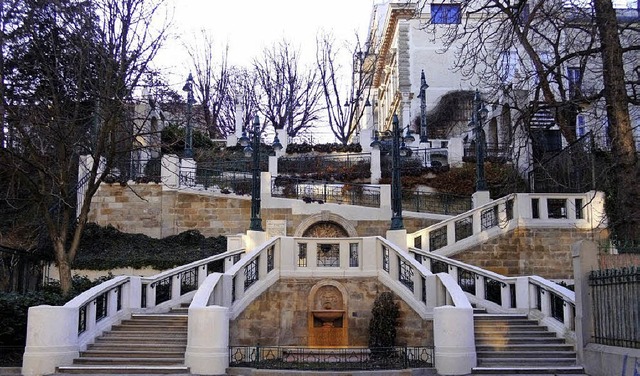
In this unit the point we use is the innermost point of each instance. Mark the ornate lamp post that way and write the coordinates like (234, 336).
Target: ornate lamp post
(479, 113)
(188, 87)
(252, 149)
(424, 137)
(397, 151)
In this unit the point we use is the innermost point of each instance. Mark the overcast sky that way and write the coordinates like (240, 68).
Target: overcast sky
(251, 25)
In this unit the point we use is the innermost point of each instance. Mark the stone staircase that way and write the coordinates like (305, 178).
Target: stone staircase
(511, 344)
(144, 344)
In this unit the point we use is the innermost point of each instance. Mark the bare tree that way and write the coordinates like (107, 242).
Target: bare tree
(213, 86)
(72, 74)
(545, 56)
(287, 94)
(345, 98)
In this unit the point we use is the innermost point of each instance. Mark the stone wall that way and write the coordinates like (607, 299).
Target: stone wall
(150, 210)
(279, 316)
(545, 252)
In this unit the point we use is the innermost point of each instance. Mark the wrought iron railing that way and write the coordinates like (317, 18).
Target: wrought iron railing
(340, 167)
(435, 202)
(497, 153)
(325, 192)
(227, 182)
(331, 359)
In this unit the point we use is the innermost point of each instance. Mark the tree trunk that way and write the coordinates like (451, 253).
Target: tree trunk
(623, 198)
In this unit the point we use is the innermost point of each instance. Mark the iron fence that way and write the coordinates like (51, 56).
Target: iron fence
(236, 165)
(325, 192)
(331, 359)
(339, 167)
(435, 202)
(572, 170)
(227, 182)
(616, 306)
(496, 153)
(138, 169)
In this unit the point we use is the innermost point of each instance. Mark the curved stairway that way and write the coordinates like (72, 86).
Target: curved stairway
(512, 344)
(144, 344)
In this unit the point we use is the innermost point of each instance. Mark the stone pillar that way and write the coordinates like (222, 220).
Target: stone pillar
(585, 259)
(254, 239)
(376, 167)
(284, 140)
(398, 237)
(52, 339)
(170, 170)
(385, 201)
(454, 340)
(273, 165)
(455, 152)
(208, 340)
(480, 198)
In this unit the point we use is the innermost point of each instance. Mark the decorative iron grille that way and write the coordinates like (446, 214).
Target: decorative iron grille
(331, 359)
(508, 207)
(493, 291)
(251, 273)
(82, 319)
(163, 290)
(353, 255)
(330, 166)
(324, 192)
(270, 258)
(188, 280)
(102, 306)
(302, 255)
(328, 255)
(467, 281)
(385, 259)
(143, 296)
(417, 242)
(237, 258)
(464, 228)
(233, 289)
(439, 267)
(119, 298)
(557, 307)
(424, 290)
(489, 218)
(438, 238)
(406, 274)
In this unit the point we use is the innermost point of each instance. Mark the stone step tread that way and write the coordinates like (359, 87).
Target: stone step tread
(566, 370)
(123, 370)
(156, 332)
(527, 347)
(146, 322)
(526, 354)
(161, 315)
(497, 341)
(149, 327)
(527, 361)
(500, 315)
(523, 328)
(140, 340)
(129, 361)
(127, 346)
(128, 353)
(515, 333)
(505, 322)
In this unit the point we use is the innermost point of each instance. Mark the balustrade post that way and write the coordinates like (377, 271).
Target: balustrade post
(476, 224)
(567, 317)
(202, 274)
(91, 316)
(151, 296)
(376, 170)
(175, 286)
(505, 295)
(207, 350)
(132, 293)
(523, 294)
(451, 233)
(434, 293)
(112, 301)
(545, 302)
(454, 340)
(543, 208)
(480, 286)
(170, 170)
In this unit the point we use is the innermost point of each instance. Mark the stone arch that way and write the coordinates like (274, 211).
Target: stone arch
(326, 216)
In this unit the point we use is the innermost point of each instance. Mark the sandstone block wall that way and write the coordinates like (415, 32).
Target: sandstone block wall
(279, 316)
(544, 252)
(150, 210)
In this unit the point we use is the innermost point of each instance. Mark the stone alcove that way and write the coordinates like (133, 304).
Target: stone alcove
(327, 314)
(325, 225)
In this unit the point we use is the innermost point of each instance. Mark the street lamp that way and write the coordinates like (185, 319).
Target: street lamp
(188, 87)
(397, 151)
(252, 149)
(479, 114)
(424, 137)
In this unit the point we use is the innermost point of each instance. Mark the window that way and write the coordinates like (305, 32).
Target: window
(353, 255)
(328, 255)
(574, 76)
(445, 13)
(509, 64)
(557, 208)
(581, 126)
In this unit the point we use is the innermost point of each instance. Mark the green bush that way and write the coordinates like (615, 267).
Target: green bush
(382, 327)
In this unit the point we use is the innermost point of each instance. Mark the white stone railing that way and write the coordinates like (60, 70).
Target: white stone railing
(82, 319)
(530, 210)
(551, 304)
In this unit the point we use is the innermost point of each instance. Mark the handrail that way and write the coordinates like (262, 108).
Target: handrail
(95, 291)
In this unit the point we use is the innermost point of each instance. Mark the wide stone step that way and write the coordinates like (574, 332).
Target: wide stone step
(149, 328)
(526, 347)
(533, 362)
(129, 361)
(141, 341)
(129, 353)
(515, 333)
(506, 322)
(123, 370)
(526, 354)
(523, 371)
(156, 323)
(158, 333)
(502, 341)
(125, 346)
